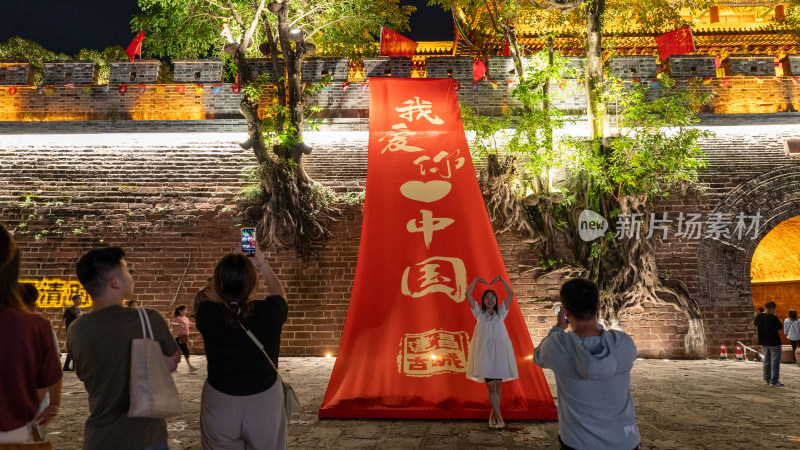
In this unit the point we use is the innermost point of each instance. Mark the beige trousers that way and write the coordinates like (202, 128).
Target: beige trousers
(252, 422)
(19, 435)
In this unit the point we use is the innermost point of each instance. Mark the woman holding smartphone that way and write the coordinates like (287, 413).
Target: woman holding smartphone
(242, 401)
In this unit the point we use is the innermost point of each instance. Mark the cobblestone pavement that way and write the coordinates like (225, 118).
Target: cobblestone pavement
(703, 404)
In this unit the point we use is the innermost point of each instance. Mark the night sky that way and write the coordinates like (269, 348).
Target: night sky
(69, 25)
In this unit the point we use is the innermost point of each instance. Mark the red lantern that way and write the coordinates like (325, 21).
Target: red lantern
(478, 70)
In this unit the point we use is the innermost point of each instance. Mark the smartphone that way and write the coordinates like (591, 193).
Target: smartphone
(249, 241)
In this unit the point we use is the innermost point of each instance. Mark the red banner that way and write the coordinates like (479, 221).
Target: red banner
(676, 42)
(395, 44)
(425, 236)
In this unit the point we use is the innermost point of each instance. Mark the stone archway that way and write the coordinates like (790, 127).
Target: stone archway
(775, 268)
(724, 263)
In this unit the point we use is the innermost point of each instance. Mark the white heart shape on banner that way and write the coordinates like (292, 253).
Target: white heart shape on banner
(427, 192)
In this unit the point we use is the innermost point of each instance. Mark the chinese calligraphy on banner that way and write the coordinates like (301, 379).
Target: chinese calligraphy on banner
(425, 234)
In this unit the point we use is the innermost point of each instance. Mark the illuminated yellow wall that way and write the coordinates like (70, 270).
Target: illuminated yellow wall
(775, 269)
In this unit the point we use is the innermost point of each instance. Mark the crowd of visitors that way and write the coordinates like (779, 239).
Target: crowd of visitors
(242, 404)
(242, 401)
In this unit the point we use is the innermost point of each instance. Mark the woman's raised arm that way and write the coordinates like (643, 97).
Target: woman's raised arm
(507, 302)
(273, 283)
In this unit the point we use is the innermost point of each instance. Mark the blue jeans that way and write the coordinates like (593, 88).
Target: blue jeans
(160, 446)
(772, 362)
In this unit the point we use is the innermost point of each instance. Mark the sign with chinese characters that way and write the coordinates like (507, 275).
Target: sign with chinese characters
(425, 236)
(433, 352)
(55, 293)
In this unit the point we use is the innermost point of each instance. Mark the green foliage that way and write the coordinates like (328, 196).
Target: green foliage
(259, 87)
(533, 138)
(353, 198)
(191, 28)
(252, 192)
(229, 69)
(484, 131)
(656, 149)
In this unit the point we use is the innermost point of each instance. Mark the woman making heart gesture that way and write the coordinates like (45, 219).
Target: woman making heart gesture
(491, 355)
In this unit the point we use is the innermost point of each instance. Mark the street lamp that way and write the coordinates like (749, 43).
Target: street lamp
(296, 35)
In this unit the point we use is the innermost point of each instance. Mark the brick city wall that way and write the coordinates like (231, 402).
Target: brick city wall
(171, 203)
(198, 95)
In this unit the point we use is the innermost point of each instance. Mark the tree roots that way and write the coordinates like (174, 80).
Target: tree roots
(295, 212)
(497, 182)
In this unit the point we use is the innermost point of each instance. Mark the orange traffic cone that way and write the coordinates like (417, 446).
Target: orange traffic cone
(739, 355)
(723, 354)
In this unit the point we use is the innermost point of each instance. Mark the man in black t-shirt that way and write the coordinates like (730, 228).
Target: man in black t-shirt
(69, 316)
(768, 326)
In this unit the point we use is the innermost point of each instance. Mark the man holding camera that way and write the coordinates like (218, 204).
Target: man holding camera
(592, 367)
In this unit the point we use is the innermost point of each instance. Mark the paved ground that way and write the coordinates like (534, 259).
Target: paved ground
(680, 405)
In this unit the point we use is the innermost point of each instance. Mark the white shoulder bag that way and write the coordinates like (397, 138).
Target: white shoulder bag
(152, 390)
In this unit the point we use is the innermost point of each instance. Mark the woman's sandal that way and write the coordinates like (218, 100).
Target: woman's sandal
(495, 423)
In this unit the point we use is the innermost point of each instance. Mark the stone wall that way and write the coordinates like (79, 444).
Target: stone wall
(70, 72)
(170, 201)
(457, 67)
(750, 65)
(387, 67)
(342, 98)
(734, 95)
(198, 71)
(685, 66)
(314, 69)
(143, 71)
(14, 73)
(629, 67)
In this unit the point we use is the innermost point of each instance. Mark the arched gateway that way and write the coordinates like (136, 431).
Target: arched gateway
(724, 263)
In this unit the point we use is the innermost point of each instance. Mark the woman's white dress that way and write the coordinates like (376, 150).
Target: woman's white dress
(491, 354)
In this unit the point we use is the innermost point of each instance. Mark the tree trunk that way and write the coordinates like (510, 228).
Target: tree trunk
(294, 211)
(594, 69)
(629, 276)
(543, 180)
(249, 109)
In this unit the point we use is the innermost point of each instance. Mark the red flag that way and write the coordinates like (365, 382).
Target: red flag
(395, 44)
(676, 42)
(405, 346)
(506, 50)
(136, 46)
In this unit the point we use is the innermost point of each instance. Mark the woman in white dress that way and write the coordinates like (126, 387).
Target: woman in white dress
(491, 355)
